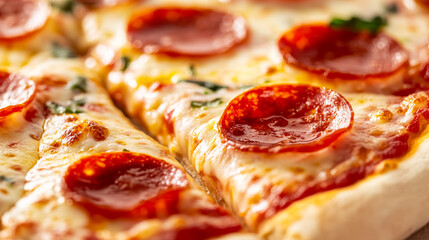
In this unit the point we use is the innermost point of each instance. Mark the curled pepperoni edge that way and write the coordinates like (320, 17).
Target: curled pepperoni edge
(31, 90)
(42, 8)
(283, 47)
(174, 53)
(146, 209)
(307, 147)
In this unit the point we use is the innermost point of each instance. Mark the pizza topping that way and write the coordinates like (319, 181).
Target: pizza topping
(282, 118)
(59, 51)
(342, 53)
(125, 63)
(16, 93)
(358, 25)
(78, 84)
(65, 7)
(72, 108)
(192, 70)
(186, 32)
(206, 104)
(124, 184)
(209, 85)
(20, 18)
(392, 8)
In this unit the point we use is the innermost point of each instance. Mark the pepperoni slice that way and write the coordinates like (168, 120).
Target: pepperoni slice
(16, 93)
(20, 18)
(282, 118)
(125, 184)
(104, 3)
(342, 54)
(186, 32)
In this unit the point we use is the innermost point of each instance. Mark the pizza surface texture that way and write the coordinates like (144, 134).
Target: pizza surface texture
(275, 119)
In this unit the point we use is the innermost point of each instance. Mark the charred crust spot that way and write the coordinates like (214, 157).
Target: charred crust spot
(98, 131)
(16, 168)
(76, 132)
(13, 145)
(70, 118)
(9, 155)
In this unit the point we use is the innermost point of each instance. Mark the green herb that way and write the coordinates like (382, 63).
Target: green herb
(125, 150)
(358, 25)
(79, 102)
(392, 8)
(192, 70)
(211, 86)
(66, 7)
(59, 51)
(78, 84)
(6, 179)
(56, 108)
(125, 63)
(209, 104)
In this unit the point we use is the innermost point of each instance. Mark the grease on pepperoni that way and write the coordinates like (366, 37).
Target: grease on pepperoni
(341, 53)
(16, 93)
(282, 118)
(186, 31)
(20, 18)
(124, 184)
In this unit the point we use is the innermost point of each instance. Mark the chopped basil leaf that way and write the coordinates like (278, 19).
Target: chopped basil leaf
(125, 150)
(209, 104)
(358, 24)
(125, 63)
(192, 70)
(78, 84)
(59, 51)
(211, 86)
(66, 7)
(56, 108)
(79, 102)
(6, 179)
(392, 8)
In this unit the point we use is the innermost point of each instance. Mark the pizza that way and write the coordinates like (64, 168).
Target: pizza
(276, 119)
(73, 165)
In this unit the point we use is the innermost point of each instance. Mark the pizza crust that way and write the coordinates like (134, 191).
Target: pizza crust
(390, 205)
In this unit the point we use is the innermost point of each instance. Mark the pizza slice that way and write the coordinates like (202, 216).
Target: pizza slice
(100, 178)
(316, 161)
(21, 125)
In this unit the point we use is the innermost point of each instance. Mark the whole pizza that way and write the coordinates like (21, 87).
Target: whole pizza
(214, 119)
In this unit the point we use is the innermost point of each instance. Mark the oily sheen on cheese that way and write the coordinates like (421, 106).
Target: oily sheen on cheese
(257, 60)
(100, 129)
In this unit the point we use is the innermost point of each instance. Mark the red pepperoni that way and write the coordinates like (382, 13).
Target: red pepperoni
(20, 18)
(125, 184)
(104, 3)
(186, 32)
(342, 53)
(282, 118)
(16, 93)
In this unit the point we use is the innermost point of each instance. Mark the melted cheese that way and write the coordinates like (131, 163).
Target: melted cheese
(257, 60)
(44, 197)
